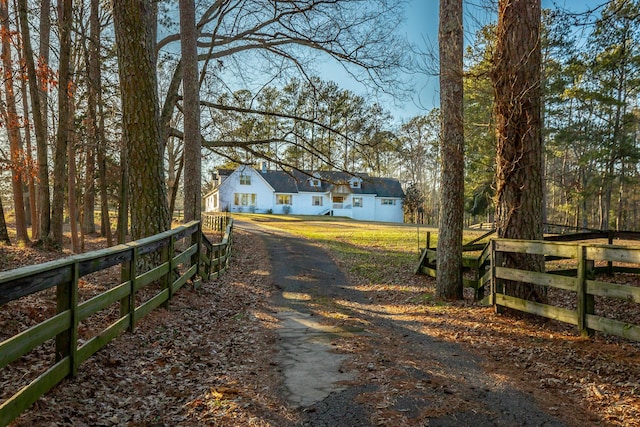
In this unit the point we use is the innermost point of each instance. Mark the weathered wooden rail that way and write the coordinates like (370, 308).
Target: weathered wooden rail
(473, 264)
(169, 259)
(487, 270)
(582, 284)
(476, 262)
(216, 256)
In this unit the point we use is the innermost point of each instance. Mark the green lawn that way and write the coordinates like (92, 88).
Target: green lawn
(365, 246)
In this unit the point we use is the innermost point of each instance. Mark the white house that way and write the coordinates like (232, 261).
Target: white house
(358, 196)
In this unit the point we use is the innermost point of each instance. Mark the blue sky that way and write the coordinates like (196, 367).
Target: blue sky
(421, 29)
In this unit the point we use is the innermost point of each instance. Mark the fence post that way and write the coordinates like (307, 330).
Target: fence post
(166, 255)
(128, 273)
(496, 284)
(207, 263)
(610, 263)
(229, 246)
(479, 289)
(585, 304)
(67, 299)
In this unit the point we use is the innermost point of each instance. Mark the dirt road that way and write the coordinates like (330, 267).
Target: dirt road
(348, 363)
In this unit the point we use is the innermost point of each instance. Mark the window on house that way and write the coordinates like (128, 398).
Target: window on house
(317, 201)
(245, 179)
(244, 199)
(338, 199)
(355, 184)
(315, 182)
(283, 199)
(215, 201)
(388, 201)
(357, 202)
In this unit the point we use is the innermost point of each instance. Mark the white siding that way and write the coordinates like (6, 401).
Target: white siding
(304, 204)
(279, 209)
(209, 202)
(372, 208)
(388, 213)
(258, 186)
(367, 212)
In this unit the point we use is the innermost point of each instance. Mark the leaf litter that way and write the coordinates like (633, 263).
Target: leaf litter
(210, 358)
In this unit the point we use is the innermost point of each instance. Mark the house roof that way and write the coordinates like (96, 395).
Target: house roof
(387, 187)
(281, 181)
(296, 181)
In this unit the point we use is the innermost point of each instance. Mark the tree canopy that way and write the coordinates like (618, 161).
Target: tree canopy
(260, 97)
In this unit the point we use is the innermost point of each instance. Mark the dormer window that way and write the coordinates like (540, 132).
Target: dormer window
(314, 182)
(245, 179)
(355, 183)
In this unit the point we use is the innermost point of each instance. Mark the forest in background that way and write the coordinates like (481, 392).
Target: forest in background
(286, 116)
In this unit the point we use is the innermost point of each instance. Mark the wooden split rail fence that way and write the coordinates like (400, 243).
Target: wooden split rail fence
(475, 263)
(586, 262)
(168, 260)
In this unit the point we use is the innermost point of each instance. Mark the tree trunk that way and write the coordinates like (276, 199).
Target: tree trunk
(39, 125)
(4, 235)
(191, 103)
(123, 207)
(97, 121)
(134, 27)
(45, 48)
(105, 221)
(519, 181)
(621, 217)
(89, 198)
(32, 207)
(93, 73)
(13, 123)
(449, 264)
(73, 220)
(43, 64)
(62, 136)
(174, 188)
(583, 198)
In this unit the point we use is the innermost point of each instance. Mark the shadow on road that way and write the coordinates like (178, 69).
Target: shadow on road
(442, 385)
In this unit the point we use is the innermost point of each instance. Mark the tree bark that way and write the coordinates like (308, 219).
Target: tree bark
(95, 90)
(39, 125)
(123, 207)
(134, 27)
(174, 188)
(89, 197)
(31, 172)
(449, 262)
(45, 48)
(12, 123)
(191, 110)
(4, 235)
(73, 214)
(105, 221)
(62, 136)
(519, 181)
(93, 86)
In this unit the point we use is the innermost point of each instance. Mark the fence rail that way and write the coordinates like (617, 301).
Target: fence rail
(582, 283)
(215, 259)
(169, 259)
(475, 267)
(484, 268)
